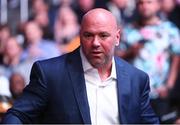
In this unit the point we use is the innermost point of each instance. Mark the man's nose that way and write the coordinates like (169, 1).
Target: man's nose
(96, 42)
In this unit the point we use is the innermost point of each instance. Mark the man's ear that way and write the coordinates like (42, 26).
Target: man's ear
(117, 43)
(118, 36)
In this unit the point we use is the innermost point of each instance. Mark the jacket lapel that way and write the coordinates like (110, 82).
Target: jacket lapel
(123, 84)
(77, 77)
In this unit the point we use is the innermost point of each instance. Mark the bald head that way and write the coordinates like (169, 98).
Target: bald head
(99, 35)
(99, 15)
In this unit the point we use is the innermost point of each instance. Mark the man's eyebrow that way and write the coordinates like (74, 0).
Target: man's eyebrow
(104, 32)
(86, 32)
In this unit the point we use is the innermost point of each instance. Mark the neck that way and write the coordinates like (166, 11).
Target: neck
(150, 21)
(35, 42)
(105, 71)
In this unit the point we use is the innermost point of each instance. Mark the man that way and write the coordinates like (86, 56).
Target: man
(87, 86)
(153, 46)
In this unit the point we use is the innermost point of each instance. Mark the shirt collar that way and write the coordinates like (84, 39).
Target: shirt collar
(87, 66)
(85, 63)
(113, 71)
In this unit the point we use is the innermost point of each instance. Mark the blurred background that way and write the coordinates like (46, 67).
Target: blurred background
(32, 30)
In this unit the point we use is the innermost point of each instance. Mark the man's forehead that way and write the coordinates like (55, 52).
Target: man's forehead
(95, 31)
(97, 27)
(100, 18)
(139, 1)
(101, 14)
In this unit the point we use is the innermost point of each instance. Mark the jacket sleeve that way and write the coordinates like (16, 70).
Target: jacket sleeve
(147, 113)
(29, 107)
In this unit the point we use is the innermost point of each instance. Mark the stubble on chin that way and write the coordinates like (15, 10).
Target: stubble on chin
(99, 62)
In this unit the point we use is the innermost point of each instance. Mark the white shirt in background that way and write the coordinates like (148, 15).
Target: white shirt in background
(4, 86)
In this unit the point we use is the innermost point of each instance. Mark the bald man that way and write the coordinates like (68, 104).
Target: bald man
(87, 86)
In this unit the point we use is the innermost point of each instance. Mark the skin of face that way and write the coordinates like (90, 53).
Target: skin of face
(98, 36)
(17, 84)
(12, 49)
(33, 32)
(148, 8)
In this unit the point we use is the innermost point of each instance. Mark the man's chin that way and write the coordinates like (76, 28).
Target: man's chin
(97, 64)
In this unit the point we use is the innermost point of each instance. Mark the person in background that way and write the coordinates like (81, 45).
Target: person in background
(123, 10)
(10, 90)
(12, 56)
(167, 6)
(5, 96)
(66, 28)
(11, 59)
(88, 85)
(17, 84)
(170, 11)
(42, 20)
(174, 98)
(5, 33)
(153, 45)
(37, 47)
(81, 7)
(38, 6)
(39, 12)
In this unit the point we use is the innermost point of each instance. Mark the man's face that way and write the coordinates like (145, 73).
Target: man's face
(12, 49)
(148, 8)
(98, 40)
(33, 32)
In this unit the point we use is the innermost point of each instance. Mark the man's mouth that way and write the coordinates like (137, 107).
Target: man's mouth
(96, 53)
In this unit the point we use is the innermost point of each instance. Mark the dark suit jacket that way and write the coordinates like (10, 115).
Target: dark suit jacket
(57, 94)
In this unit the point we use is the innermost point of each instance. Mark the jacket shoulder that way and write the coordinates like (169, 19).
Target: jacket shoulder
(133, 73)
(129, 68)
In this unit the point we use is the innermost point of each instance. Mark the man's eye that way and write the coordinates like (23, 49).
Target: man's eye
(104, 36)
(87, 35)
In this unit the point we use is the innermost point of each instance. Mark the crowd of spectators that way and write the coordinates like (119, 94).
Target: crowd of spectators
(52, 29)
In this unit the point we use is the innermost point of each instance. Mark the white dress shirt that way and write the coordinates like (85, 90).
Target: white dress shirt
(102, 95)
